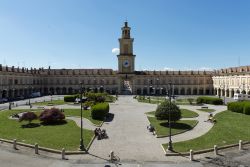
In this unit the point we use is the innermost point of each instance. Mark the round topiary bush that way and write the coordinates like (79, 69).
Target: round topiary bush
(163, 110)
(99, 111)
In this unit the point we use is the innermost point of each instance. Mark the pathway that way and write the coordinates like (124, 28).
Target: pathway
(129, 138)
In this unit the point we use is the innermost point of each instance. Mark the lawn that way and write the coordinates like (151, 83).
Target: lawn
(86, 114)
(53, 136)
(161, 126)
(206, 110)
(47, 103)
(184, 113)
(229, 129)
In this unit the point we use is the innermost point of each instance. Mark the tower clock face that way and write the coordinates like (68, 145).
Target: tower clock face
(126, 63)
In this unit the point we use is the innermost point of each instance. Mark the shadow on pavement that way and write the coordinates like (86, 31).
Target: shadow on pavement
(110, 117)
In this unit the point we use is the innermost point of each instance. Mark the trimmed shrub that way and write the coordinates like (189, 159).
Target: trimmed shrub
(247, 109)
(240, 107)
(52, 116)
(236, 107)
(71, 98)
(96, 97)
(99, 111)
(28, 116)
(163, 110)
(209, 100)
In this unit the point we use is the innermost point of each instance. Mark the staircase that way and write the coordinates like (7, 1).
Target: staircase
(126, 88)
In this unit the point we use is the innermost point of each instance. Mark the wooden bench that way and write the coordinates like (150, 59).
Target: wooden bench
(204, 107)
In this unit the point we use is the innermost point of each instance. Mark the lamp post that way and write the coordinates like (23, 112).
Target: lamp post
(81, 139)
(170, 146)
(223, 86)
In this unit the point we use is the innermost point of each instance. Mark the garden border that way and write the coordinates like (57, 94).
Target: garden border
(201, 151)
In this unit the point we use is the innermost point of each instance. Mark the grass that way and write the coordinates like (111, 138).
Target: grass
(229, 129)
(54, 102)
(161, 126)
(206, 110)
(52, 136)
(86, 114)
(184, 113)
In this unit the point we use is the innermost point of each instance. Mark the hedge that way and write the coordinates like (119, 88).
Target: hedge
(247, 109)
(99, 111)
(71, 98)
(239, 107)
(209, 100)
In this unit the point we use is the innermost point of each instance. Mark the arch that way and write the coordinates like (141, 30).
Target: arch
(215, 91)
(138, 91)
(21, 92)
(208, 91)
(163, 91)
(201, 91)
(248, 92)
(157, 91)
(101, 89)
(182, 91)
(232, 93)
(227, 93)
(46, 91)
(195, 91)
(4, 93)
(70, 90)
(188, 91)
(64, 91)
(176, 91)
(15, 93)
(51, 91)
(58, 90)
(243, 92)
(237, 91)
(145, 91)
(108, 91)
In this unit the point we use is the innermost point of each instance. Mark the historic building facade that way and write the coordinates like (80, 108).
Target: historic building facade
(22, 82)
(232, 80)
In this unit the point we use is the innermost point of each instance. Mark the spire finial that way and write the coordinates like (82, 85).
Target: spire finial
(126, 22)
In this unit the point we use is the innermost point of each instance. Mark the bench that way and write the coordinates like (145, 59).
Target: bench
(204, 107)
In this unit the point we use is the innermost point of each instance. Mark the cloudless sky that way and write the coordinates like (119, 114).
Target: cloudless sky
(169, 34)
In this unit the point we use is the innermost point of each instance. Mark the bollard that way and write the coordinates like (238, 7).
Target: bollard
(215, 150)
(191, 156)
(240, 145)
(36, 148)
(63, 153)
(14, 144)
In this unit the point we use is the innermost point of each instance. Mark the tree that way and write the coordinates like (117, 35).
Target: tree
(28, 116)
(163, 110)
(51, 116)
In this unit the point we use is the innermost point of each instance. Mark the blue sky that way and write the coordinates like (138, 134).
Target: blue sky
(169, 34)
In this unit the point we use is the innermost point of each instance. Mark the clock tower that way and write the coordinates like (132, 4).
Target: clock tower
(126, 58)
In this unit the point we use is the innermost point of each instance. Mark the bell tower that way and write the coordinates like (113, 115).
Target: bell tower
(126, 58)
